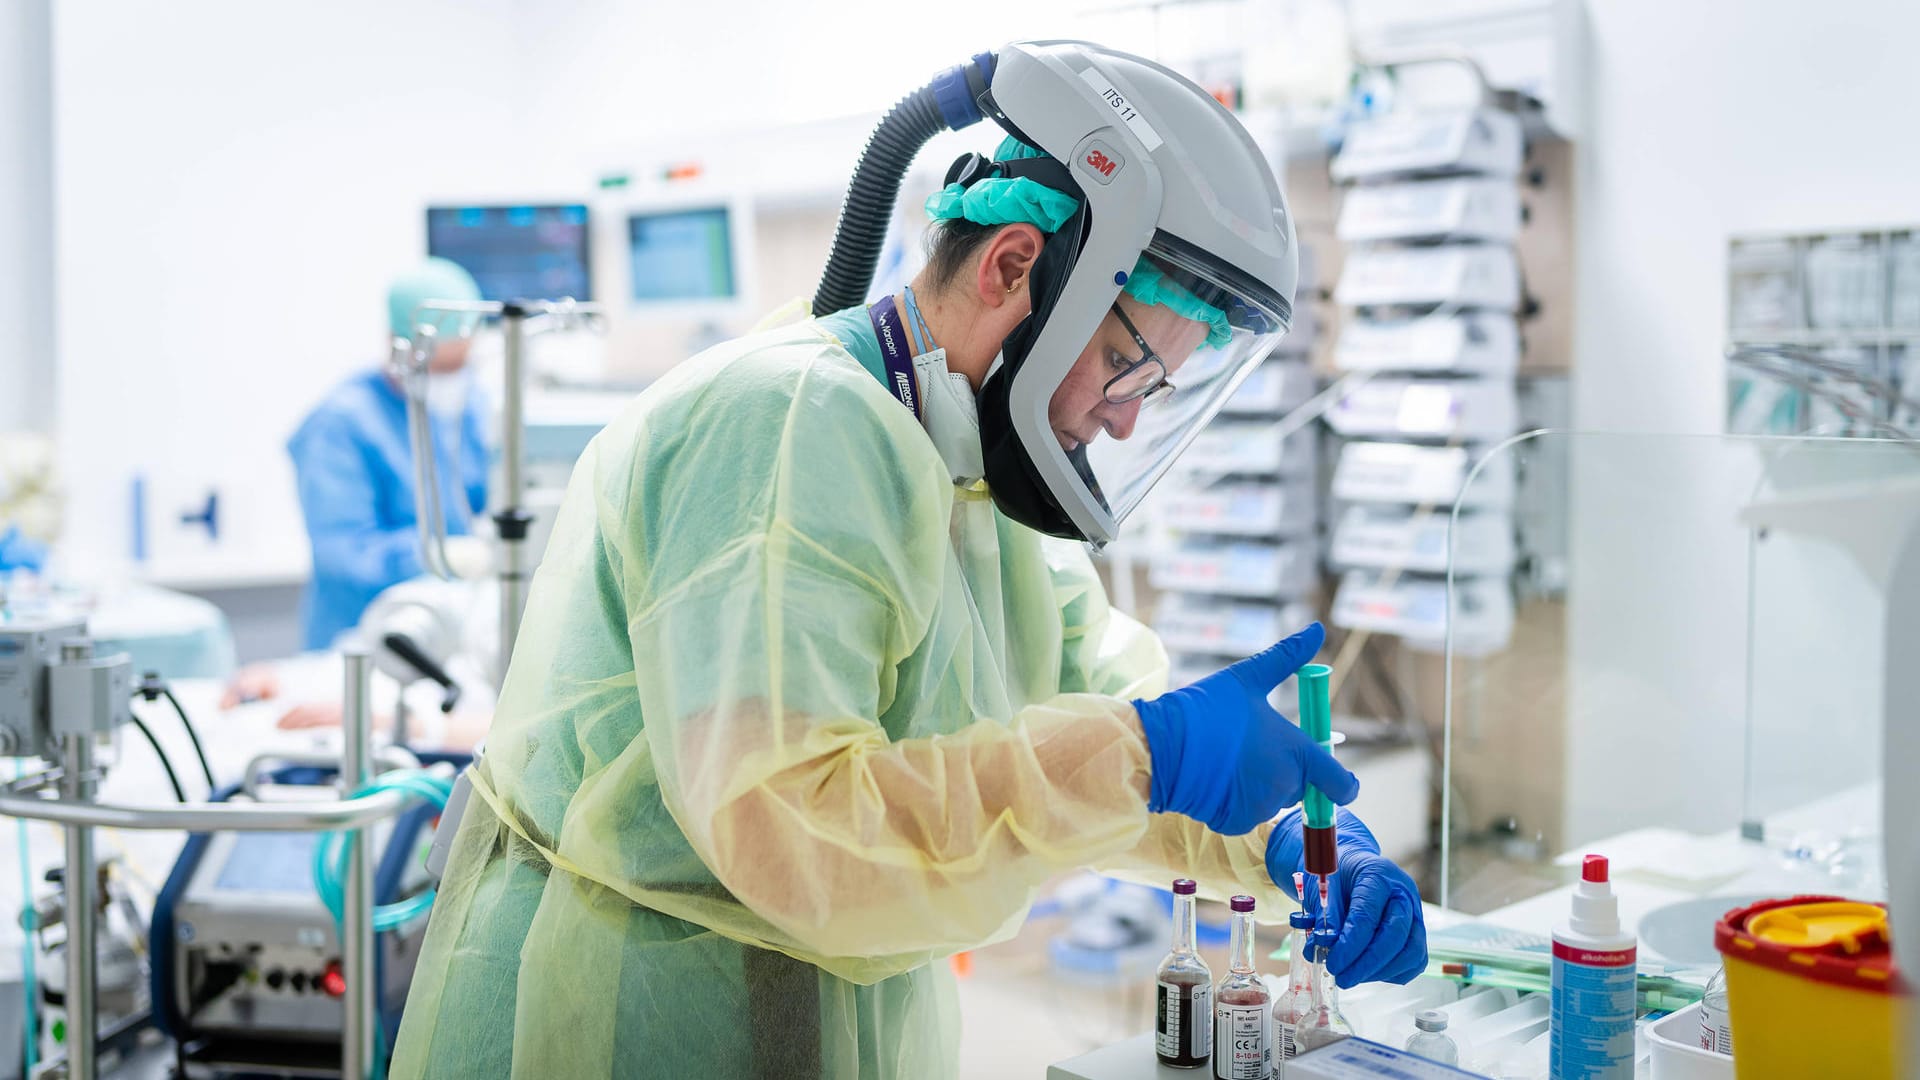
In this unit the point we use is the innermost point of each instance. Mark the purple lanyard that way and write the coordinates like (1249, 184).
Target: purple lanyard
(895, 353)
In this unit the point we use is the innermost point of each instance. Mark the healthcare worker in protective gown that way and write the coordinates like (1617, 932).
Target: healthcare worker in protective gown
(354, 463)
(799, 708)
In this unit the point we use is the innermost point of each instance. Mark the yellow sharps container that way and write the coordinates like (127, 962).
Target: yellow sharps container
(1812, 990)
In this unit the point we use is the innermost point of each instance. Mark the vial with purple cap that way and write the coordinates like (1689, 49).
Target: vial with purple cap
(1183, 1024)
(1242, 1009)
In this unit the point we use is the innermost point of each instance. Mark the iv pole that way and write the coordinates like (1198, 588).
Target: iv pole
(520, 321)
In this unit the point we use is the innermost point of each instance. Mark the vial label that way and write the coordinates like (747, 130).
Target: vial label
(1166, 1020)
(1243, 1035)
(1181, 1030)
(1715, 1033)
(1283, 1038)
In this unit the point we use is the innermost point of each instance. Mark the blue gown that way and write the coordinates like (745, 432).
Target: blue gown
(355, 471)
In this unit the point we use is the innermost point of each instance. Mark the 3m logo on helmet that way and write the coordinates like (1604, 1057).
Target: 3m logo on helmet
(1102, 161)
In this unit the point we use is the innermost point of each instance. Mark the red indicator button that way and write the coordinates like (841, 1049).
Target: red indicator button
(333, 982)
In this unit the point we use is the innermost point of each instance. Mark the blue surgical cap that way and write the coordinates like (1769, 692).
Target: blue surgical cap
(434, 279)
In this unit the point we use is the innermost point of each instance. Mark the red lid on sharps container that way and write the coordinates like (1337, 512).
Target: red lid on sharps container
(1594, 868)
(1826, 939)
(1185, 887)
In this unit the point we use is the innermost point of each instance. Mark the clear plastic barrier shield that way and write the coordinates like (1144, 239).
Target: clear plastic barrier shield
(1705, 700)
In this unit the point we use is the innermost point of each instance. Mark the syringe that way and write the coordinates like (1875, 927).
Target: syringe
(1322, 852)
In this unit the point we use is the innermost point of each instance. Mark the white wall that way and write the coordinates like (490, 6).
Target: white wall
(26, 225)
(1713, 118)
(1708, 119)
(614, 77)
(238, 180)
(774, 101)
(236, 183)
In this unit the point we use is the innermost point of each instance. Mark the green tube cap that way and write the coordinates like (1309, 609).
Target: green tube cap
(1316, 720)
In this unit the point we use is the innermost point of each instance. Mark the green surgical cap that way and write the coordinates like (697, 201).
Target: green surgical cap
(1005, 200)
(1150, 285)
(1017, 200)
(434, 279)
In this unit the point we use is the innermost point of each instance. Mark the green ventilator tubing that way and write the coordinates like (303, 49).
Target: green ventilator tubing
(1316, 719)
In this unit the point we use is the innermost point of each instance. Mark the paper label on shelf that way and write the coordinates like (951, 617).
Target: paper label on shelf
(1429, 608)
(1252, 624)
(1427, 409)
(1399, 137)
(1420, 202)
(1417, 209)
(1246, 563)
(1198, 568)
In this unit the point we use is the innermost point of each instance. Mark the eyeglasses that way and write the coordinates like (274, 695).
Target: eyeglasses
(1144, 380)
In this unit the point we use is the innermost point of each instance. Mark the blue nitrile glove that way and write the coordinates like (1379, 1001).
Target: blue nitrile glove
(1222, 756)
(1384, 933)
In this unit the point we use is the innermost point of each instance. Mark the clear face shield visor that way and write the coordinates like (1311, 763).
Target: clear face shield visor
(1155, 373)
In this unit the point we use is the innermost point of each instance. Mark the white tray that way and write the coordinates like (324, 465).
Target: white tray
(1677, 1055)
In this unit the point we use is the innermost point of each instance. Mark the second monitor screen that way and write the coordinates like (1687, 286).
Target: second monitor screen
(516, 252)
(682, 255)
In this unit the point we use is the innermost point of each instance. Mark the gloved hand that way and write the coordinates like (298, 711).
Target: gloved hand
(1383, 933)
(1222, 756)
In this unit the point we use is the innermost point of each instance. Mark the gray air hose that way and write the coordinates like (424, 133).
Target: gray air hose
(951, 100)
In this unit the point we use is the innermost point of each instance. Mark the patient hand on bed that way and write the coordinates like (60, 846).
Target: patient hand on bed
(463, 730)
(255, 682)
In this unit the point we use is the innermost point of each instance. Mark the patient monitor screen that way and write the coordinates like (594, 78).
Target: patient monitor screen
(682, 255)
(516, 252)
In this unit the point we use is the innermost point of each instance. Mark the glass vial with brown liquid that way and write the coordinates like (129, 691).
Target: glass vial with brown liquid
(1183, 1025)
